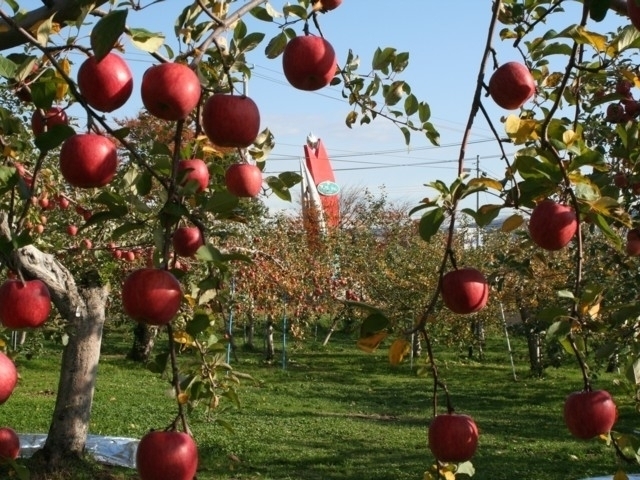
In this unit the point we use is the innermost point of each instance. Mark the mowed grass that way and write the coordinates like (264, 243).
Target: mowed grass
(336, 413)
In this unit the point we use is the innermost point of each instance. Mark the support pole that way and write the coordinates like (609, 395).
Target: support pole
(506, 334)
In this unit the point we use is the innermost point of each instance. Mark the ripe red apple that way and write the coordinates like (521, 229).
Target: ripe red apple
(589, 414)
(309, 62)
(52, 117)
(24, 305)
(151, 295)
(453, 437)
(170, 91)
(88, 160)
(243, 179)
(194, 169)
(9, 444)
(231, 120)
(105, 85)
(620, 180)
(187, 240)
(327, 5)
(511, 85)
(633, 242)
(8, 377)
(72, 230)
(167, 456)
(63, 203)
(465, 290)
(552, 225)
(633, 11)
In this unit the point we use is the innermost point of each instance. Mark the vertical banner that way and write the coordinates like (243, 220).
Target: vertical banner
(323, 180)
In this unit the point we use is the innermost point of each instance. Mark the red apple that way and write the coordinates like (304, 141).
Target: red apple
(167, 456)
(187, 240)
(327, 5)
(9, 444)
(243, 179)
(552, 225)
(129, 255)
(63, 203)
(72, 230)
(170, 91)
(24, 305)
(88, 160)
(309, 62)
(87, 244)
(511, 85)
(453, 437)
(633, 11)
(465, 290)
(231, 120)
(196, 170)
(633, 242)
(589, 414)
(620, 180)
(105, 85)
(8, 377)
(151, 295)
(52, 117)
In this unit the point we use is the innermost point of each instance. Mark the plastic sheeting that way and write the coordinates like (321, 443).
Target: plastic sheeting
(609, 477)
(117, 451)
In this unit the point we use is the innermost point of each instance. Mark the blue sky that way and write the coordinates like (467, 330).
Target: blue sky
(445, 41)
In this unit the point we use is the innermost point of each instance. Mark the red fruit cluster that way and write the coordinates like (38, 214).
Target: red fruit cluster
(627, 108)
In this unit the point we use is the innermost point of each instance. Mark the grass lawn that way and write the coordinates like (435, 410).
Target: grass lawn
(337, 413)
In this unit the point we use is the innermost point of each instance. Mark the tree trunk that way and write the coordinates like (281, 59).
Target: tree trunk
(82, 304)
(144, 338)
(250, 328)
(70, 423)
(270, 351)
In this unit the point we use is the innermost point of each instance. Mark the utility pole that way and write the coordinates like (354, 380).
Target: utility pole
(477, 200)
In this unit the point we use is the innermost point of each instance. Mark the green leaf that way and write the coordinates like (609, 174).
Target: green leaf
(7, 68)
(276, 46)
(145, 40)
(262, 13)
(209, 253)
(411, 105)
(383, 58)
(198, 324)
(53, 137)
(107, 31)
(222, 202)
(126, 228)
(374, 323)
(430, 223)
(295, 10)
(279, 188)
(485, 215)
(250, 42)
(43, 92)
(290, 179)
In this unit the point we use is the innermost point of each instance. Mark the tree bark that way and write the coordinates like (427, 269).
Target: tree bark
(82, 304)
(144, 338)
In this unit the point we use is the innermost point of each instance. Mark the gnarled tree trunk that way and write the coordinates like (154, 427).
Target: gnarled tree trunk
(144, 338)
(82, 303)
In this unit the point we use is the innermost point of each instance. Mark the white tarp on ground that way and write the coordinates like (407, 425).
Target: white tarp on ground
(610, 477)
(110, 450)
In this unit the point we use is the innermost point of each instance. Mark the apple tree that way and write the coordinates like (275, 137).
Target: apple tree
(132, 202)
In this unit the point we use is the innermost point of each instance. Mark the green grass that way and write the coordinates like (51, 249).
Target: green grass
(337, 413)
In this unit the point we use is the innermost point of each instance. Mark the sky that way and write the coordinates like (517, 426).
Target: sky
(446, 42)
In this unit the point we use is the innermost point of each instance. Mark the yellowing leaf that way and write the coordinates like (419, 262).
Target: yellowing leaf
(521, 130)
(183, 337)
(2, 343)
(399, 349)
(511, 223)
(596, 40)
(61, 86)
(372, 342)
(569, 137)
(183, 398)
(486, 182)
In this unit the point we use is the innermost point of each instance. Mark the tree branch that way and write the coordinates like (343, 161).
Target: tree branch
(61, 10)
